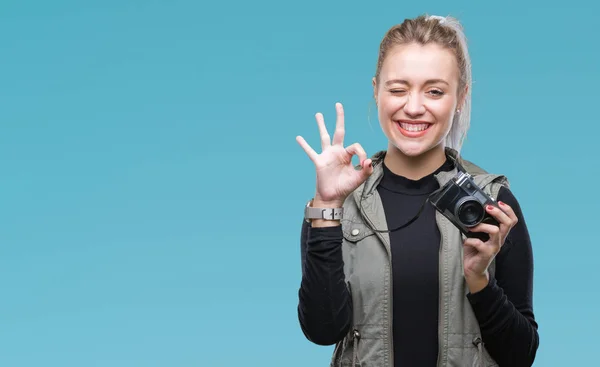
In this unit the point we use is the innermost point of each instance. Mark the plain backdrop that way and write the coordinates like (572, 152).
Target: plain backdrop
(152, 191)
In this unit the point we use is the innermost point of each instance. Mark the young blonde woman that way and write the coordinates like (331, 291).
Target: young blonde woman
(388, 278)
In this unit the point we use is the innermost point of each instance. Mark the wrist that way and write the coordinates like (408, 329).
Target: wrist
(477, 282)
(319, 203)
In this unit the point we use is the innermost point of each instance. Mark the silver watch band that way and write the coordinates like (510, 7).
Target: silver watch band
(322, 213)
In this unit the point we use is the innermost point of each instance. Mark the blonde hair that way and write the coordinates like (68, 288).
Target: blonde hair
(446, 32)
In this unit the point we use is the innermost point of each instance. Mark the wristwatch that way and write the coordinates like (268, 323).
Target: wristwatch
(322, 213)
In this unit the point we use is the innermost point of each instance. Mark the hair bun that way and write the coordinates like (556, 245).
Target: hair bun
(438, 17)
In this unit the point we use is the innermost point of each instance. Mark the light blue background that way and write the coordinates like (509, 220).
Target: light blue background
(152, 189)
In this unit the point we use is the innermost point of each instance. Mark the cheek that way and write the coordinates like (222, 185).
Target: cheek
(442, 110)
(389, 106)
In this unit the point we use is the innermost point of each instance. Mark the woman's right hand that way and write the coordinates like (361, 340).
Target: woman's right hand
(336, 175)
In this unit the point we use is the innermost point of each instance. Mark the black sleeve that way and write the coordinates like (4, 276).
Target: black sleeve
(325, 306)
(504, 308)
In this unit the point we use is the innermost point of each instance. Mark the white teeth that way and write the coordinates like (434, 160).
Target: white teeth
(414, 127)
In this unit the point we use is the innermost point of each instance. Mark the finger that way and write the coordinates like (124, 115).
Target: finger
(482, 247)
(495, 233)
(338, 136)
(509, 211)
(309, 151)
(477, 244)
(325, 139)
(500, 215)
(486, 228)
(367, 167)
(358, 150)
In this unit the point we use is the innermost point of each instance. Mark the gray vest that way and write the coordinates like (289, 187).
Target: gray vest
(367, 267)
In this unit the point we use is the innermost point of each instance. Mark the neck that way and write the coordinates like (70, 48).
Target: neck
(414, 167)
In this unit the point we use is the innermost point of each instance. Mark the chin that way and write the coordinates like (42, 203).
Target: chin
(413, 148)
(410, 147)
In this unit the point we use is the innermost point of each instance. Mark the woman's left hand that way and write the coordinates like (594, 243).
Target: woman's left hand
(478, 255)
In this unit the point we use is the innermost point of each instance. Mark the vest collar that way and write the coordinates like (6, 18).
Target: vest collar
(367, 188)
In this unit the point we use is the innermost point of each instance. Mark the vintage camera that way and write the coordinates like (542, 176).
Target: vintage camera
(463, 203)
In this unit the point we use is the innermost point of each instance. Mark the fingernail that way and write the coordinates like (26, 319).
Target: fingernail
(501, 203)
(489, 207)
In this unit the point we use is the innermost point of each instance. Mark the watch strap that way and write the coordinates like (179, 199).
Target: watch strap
(322, 213)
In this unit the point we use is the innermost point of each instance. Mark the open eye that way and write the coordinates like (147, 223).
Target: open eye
(436, 92)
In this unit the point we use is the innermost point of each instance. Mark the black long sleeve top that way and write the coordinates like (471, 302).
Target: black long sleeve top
(504, 309)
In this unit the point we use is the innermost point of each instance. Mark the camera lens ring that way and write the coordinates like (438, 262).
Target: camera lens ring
(469, 211)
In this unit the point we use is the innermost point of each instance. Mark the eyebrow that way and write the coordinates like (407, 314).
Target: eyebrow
(402, 81)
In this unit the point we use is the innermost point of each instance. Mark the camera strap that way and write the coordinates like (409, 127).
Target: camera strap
(409, 221)
(458, 166)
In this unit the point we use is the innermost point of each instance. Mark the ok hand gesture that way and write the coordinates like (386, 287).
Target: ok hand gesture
(336, 175)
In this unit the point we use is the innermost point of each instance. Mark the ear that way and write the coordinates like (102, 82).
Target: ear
(374, 82)
(462, 98)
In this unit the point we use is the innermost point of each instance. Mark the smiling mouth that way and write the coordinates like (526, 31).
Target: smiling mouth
(414, 127)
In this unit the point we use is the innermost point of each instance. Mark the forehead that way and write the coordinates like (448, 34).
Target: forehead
(417, 63)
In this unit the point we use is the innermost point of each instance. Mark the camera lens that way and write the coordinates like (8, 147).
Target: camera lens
(470, 212)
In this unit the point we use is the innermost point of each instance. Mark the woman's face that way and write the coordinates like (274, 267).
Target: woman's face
(417, 96)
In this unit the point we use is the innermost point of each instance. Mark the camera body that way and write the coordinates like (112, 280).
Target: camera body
(463, 203)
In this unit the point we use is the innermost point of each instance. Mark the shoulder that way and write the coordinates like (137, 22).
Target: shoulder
(506, 196)
(475, 169)
(492, 182)
(498, 182)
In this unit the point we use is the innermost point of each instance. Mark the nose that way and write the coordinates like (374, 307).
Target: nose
(414, 105)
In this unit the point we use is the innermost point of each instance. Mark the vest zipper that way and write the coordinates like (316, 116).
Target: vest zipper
(390, 290)
(441, 287)
(355, 340)
(479, 344)
(391, 314)
(390, 303)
